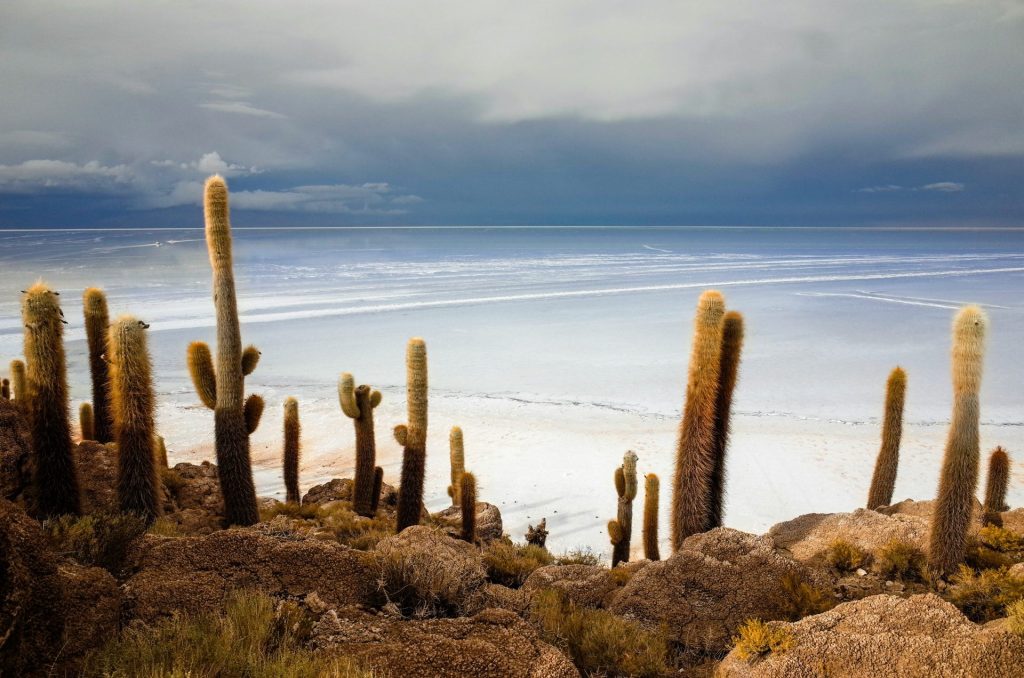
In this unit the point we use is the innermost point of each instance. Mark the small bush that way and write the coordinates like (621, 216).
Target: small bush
(803, 599)
(103, 540)
(510, 564)
(985, 595)
(621, 576)
(165, 527)
(901, 560)
(250, 638)
(995, 547)
(1015, 617)
(172, 480)
(756, 640)
(583, 556)
(423, 584)
(339, 519)
(280, 508)
(598, 642)
(844, 556)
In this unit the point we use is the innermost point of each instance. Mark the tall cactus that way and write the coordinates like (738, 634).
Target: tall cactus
(729, 367)
(292, 432)
(97, 324)
(625, 486)
(995, 486)
(133, 404)
(467, 502)
(413, 436)
(86, 423)
(358, 405)
(378, 487)
(54, 473)
(695, 450)
(650, 530)
(222, 390)
(883, 482)
(954, 503)
(457, 455)
(20, 391)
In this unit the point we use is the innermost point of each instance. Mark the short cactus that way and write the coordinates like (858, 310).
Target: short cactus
(222, 390)
(54, 474)
(884, 480)
(358, 404)
(467, 501)
(97, 325)
(695, 450)
(5, 389)
(457, 455)
(413, 437)
(86, 424)
(18, 387)
(650, 530)
(729, 366)
(995, 487)
(161, 452)
(290, 461)
(959, 479)
(133, 405)
(625, 486)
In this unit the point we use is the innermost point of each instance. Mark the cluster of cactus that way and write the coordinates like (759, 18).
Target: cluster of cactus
(699, 483)
(620, 530)
(358, 403)
(222, 389)
(412, 436)
(883, 482)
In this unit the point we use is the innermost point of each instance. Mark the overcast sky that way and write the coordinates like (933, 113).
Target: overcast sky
(548, 112)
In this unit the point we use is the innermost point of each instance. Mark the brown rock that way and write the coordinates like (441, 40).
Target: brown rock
(15, 453)
(925, 509)
(90, 607)
(1014, 520)
(584, 585)
(488, 521)
(888, 637)
(97, 475)
(193, 574)
(341, 489)
(709, 587)
(492, 644)
(807, 536)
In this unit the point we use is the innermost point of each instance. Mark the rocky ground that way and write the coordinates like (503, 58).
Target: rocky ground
(842, 594)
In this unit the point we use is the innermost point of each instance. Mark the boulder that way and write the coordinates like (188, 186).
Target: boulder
(488, 521)
(808, 536)
(96, 464)
(341, 489)
(491, 644)
(710, 586)
(193, 500)
(887, 637)
(428, 573)
(193, 574)
(15, 453)
(925, 509)
(1013, 520)
(584, 585)
(90, 606)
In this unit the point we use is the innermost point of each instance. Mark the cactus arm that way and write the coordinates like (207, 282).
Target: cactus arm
(375, 399)
(401, 434)
(253, 411)
(347, 395)
(200, 367)
(250, 358)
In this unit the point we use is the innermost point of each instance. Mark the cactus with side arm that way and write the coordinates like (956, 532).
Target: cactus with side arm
(412, 436)
(358, 403)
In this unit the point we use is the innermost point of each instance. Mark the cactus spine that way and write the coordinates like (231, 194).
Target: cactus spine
(457, 454)
(995, 487)
(55, 478)
(133, 404)
(20, 391)
(413, 436)
(222, 389)
(358, 404)
(85, 422)
(695, 449)
(732, 347)
(292, 431)
(954, 503)
(625, 486)
(467, 500)
(97, 324)
(650, 530)
(883, 482)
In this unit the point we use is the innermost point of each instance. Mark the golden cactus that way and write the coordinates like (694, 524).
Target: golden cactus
(86, 424)
(358, 404)
(995, 486)
(161, 452)
(457, 456)
(413, 436)
(732, 347)
(20, 391)
(292, 432)
(883, 482)
(625, 487)
(97, 325)
(650, 529)
(959, 479)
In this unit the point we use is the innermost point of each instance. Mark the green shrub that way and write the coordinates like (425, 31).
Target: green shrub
(986, 595)
(510, 564)
(250, 638)
(580, 556)
(844, 556)
(901, 560)
(103, 540)
(756, 639)
(165, 527)
(599, 643)
(804, 599)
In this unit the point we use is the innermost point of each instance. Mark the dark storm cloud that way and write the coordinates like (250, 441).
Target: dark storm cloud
(482, 112)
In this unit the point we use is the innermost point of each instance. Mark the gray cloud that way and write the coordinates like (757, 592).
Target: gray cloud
(938, 186)
(33, 175)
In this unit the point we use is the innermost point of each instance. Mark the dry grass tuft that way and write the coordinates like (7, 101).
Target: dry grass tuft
(995, 547)
(103, 540)
(423, 584)
(1015, 617)
(844, 556)
(986, 595)
(901, 560)
(581, 556)
(509, 564)
(252, 638)
(337, 519)
(599, 643)
(804, 599)
(756, 640)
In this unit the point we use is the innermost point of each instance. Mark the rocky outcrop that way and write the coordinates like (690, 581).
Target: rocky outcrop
(925, 509)
(90, 606)
(808, 536)
(584, 585)
(488, 521)
(194, 574)
(96, 464)
(888, 637)
(491, 644)
(340, 489)
(710, 586)
(15, 456)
